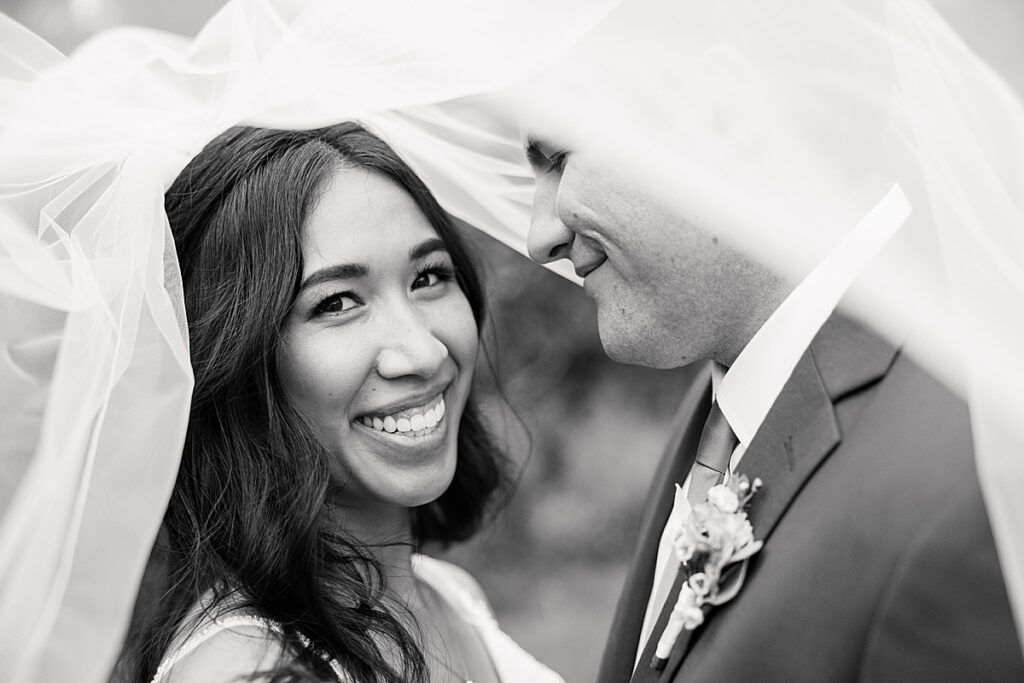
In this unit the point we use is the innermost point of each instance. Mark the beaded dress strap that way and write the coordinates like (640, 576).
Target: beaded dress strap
(222, 624)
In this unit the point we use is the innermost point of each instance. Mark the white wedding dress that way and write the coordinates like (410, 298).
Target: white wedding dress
(512, 663)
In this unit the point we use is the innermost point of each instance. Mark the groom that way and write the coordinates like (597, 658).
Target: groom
(878, 561)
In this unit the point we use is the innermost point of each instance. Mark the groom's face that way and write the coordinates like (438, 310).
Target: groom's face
(668, 292)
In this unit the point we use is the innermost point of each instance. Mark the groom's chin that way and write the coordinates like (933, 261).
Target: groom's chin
(636, 344)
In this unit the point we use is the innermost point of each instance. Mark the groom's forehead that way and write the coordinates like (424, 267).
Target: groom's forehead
(532, 132)
(546, 129)
(569, 117)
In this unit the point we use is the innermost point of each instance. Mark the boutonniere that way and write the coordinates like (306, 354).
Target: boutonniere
(716, 538)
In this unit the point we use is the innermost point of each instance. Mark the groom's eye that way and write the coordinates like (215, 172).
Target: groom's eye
(544, 160)
(556, 162)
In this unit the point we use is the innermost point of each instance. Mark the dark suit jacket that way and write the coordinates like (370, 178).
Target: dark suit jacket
(878, 565)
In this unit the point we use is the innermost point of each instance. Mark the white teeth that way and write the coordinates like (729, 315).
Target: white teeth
(428, 419)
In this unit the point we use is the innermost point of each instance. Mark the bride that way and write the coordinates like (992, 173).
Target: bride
(334, 320)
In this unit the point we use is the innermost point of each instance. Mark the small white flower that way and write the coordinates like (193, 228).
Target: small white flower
(684, 551)
(688, 609)
(724, 498)
(745, 534)
(700, 583)
(739, 530)
(685, 544)
(693, 618)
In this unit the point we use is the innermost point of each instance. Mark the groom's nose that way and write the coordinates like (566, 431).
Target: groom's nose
(548, 239)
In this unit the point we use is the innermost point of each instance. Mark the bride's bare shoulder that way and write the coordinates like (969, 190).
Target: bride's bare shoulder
(451, 580)
(230, 650)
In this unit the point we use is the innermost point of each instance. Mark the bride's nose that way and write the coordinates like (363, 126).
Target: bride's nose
(410, 348)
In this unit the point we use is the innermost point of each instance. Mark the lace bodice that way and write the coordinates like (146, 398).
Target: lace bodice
(454, 584)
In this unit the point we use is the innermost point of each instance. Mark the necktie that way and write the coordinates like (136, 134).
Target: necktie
(717, 443)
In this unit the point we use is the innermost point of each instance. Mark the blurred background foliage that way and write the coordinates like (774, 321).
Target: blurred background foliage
(586, 432)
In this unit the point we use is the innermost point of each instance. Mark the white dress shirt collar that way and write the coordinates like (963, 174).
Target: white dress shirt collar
(751, 385)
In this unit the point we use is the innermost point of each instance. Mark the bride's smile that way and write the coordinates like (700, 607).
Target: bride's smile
(408, 422)
(415, 434)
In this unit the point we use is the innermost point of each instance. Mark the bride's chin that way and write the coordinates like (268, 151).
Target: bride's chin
(423, 495)
(416, 489)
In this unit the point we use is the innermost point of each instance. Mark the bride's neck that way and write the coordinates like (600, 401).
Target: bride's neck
(386, 532)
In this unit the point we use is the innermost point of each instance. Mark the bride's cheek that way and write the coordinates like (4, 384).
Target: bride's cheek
(345, 361)
(321, 372)
(459, 333)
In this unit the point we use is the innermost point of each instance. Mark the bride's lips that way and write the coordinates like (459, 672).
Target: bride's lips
(417, 423)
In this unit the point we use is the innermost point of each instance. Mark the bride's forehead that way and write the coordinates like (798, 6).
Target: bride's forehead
(362, 216)
(359, 204)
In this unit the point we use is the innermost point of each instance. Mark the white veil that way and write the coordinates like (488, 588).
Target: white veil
(779, 122)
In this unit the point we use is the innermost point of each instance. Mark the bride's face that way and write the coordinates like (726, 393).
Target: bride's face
(380, 345)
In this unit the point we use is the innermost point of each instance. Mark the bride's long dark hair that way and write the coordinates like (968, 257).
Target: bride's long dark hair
(250, 516)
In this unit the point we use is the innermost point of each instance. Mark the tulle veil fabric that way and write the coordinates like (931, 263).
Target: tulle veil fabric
(781, 123)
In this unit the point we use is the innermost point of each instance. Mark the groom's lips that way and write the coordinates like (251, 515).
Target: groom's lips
(585, 269)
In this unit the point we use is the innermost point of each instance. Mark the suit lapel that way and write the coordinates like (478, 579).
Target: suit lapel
(801, 430)
(624, 637)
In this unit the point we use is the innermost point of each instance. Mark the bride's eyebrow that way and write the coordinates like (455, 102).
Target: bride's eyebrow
(339, 271)
(352, 271)
(426, 248)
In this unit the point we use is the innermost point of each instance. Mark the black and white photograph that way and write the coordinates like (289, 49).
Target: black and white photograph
(511, 341)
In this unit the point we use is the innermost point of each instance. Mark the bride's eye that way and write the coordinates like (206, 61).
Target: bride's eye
(432, 276)
(334, 304)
